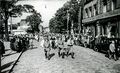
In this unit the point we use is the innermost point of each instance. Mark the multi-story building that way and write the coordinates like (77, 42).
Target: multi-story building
(101, 17)
(41, 29)
(23, 25)
(46, 30)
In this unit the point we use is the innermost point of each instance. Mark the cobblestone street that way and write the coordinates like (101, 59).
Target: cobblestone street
(9, 58)
(86, 61)
(60, 36)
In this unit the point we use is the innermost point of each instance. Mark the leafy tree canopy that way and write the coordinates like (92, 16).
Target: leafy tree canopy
(58, 23)
(9, 8)
(34, 21)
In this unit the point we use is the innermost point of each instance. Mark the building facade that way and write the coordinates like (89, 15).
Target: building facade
(101, 17)
(23, 25)
(41, 29)
(46, 30)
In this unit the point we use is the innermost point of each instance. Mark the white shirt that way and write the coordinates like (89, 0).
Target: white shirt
(112, 47)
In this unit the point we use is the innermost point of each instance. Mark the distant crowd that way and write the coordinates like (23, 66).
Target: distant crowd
(18, 43)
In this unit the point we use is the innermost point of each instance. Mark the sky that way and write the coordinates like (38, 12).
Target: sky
(47, 8)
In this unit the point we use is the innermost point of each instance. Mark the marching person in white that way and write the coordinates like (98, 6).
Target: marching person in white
(42, 42)
(70, 43)
(47, 48)
(31, 43)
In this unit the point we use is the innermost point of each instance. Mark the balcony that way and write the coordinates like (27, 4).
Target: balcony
(102, 16)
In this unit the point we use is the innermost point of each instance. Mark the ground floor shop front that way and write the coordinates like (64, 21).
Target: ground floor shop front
(106, 27)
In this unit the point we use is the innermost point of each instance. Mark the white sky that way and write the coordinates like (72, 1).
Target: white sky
(46, 12)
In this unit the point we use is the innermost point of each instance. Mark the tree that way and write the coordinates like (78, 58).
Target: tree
(34, 21)
(59, 22)
(55, 26)
(8, 8)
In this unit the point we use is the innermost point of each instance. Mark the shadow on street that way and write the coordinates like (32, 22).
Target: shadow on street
(7, 49)
(51, 55)
(9, 54)
(6, 71)
(117, 67)
(33, 48)
(6, 66)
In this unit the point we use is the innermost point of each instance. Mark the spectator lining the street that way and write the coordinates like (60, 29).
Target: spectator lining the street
(112, 50)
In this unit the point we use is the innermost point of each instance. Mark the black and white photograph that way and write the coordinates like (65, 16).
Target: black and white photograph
(59, 36)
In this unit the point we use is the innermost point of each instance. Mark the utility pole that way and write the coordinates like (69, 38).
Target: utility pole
(80, 16)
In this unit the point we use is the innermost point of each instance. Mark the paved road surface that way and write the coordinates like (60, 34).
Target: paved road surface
(86, 61)
(9, 58)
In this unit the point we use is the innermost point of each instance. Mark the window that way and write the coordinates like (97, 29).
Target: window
(95, 10)
(104, 2)
(112, 5)
(90, 11)
(86, 11)
(117, 3)
(104, 7)
(108, 5)
(87, 1)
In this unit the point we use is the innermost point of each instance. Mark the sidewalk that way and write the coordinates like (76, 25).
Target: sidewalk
(9, 58)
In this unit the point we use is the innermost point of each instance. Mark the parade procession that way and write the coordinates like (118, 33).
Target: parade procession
(60, 36)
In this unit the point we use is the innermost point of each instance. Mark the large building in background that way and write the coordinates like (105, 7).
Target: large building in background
(101, 17)
(41, 29)
(46, 30)
(23, 25)
(22, 29)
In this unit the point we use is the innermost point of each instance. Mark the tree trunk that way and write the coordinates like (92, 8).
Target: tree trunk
(1, 29)
(6, 30)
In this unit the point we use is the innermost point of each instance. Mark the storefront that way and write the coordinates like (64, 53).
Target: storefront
(110, 27)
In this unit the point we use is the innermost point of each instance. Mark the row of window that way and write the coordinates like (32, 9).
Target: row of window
(101, 7)
(90, 12)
